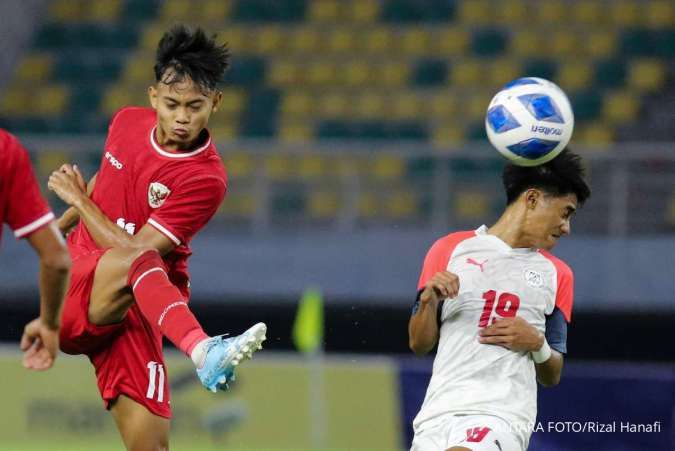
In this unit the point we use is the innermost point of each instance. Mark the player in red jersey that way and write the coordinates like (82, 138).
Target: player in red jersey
(159, 182)
(29, 216)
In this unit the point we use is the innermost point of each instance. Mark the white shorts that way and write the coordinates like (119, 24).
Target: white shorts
(475, 432)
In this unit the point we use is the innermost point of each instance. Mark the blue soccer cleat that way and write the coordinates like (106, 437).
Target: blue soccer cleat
(223, 355)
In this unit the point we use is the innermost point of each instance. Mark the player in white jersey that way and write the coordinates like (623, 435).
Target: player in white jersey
(497, 303)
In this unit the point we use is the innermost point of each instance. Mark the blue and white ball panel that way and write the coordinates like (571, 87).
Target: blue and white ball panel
(533, 148)
(523, 81)
(501, 120)
(542, 107)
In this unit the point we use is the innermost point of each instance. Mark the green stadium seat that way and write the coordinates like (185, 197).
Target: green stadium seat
(610, 74)
(540, 68)
(136, 11)
(413, 11)
(246, 71)
(488, 42)
(586, 105)
(430, 72)
(267, 11)
(288, 201)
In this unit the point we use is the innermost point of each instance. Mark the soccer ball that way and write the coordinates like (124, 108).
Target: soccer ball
(529, 121)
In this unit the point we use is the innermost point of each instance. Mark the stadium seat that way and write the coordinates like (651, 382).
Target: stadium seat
(299, 131)
(311, 167)
(414, 41)
(369, 105)
(625, 13)
(323, 204)
(341, 41)
(297, 104)
(660, 14)
(390, 74)
(405, 106)
(575, 76)
(620, 107)
(324, 10)
(362, 11)
(476, 12)
(488, 42)
(467, 73)
(610, 73)
(646, 74)
(526, 43)
(36, 67)
(503, 70)
(379, 40)
(590, 13)
(238, 204)
(471, 205)
(430, 72)
(387, 167)
(400, 205)
(239, 164)
(332, 105)
(450, 41)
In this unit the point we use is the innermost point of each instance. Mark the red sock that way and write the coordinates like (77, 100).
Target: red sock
(162, 304)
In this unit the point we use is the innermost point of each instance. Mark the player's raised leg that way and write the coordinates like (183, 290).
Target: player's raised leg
(140, 429)
(127, 275)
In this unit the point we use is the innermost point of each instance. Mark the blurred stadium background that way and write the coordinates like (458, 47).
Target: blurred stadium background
(352, 131)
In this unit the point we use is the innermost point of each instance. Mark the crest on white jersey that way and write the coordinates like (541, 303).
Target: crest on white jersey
(157, 194)
(533, 278)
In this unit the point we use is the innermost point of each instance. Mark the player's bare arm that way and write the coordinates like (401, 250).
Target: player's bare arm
(40, 340)
(423, 326)
(71, 216)
(517, 334)
(69, 185)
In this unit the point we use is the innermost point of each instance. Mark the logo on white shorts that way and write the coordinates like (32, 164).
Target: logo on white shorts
(533, 278)
(157, 194)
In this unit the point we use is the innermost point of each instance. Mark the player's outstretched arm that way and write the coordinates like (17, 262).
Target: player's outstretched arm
(423, 330)
(40, 340)
(71, 216)
(549, 371)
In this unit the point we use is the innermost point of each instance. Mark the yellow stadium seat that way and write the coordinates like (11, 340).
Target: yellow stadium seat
(620, 107)
(357, 73)
(50, 100)
(297, 104)
(467, 73)
(368, 205)
(476, 12)
(600, 44)
(369, 106)
(323, 204)
(405, 106)
(387, 167)
(178, 11)
(525, 43)
(575, 75)
(625, 13)
(268, 40)
(477, 105)
(67, 10)
(285, 73)
(447, 134)
(34, 67)
(333, 105)
(562, 44)
(223, 130)
(646, 74)
(450, 42)
(16, 102)
(115, 98)
(391, 73)
(280, 166)
(444, 106)
(511, 12)
(502, 71)
(238, 204)
(553, 12)
(311, 166)
(213, 11)
(362, 11)
(296, 132)
(346, 166)
(107, 11)
(50, 160)
(324, 10)
(139, 69)
(340, 40)
(304, 40)
(151, 36)
(589, 12)
(415, 41)
(239, 164)
(379, 40)
(237, 39)
(233, 101)
(472, 205)
(595, 135)
(321, 73)
(400, 204)
(660, 14)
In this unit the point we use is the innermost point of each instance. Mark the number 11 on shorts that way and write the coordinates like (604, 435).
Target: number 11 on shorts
(155, 369)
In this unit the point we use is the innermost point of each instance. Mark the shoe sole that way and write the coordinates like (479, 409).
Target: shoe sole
(255, 335)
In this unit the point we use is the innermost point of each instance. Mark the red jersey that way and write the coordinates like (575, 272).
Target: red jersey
(138, 182)
(21, 203)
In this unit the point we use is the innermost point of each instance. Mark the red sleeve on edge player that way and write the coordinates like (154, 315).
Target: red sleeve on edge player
(564, 297)
(189, 208)
(439, 255)
(27, 211)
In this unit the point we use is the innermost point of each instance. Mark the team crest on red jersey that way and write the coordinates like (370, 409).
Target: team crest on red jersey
(157, 194)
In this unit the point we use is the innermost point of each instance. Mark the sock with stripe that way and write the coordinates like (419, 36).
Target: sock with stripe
(163, 305)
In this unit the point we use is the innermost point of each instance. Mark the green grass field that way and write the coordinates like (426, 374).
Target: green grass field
(61, 409)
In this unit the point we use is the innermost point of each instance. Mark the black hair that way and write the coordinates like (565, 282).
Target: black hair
(561, 176)
(188, 52)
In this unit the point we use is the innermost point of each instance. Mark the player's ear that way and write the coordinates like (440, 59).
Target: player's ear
(217, 98)
(532, 196)
(152, 95)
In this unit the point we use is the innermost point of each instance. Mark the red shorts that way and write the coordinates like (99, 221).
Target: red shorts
(127, 356)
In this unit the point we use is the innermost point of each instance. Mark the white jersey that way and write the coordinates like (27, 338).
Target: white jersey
(495, 281)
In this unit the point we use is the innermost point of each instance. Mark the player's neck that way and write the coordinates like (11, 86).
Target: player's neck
(163, 140)
(509, 229)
